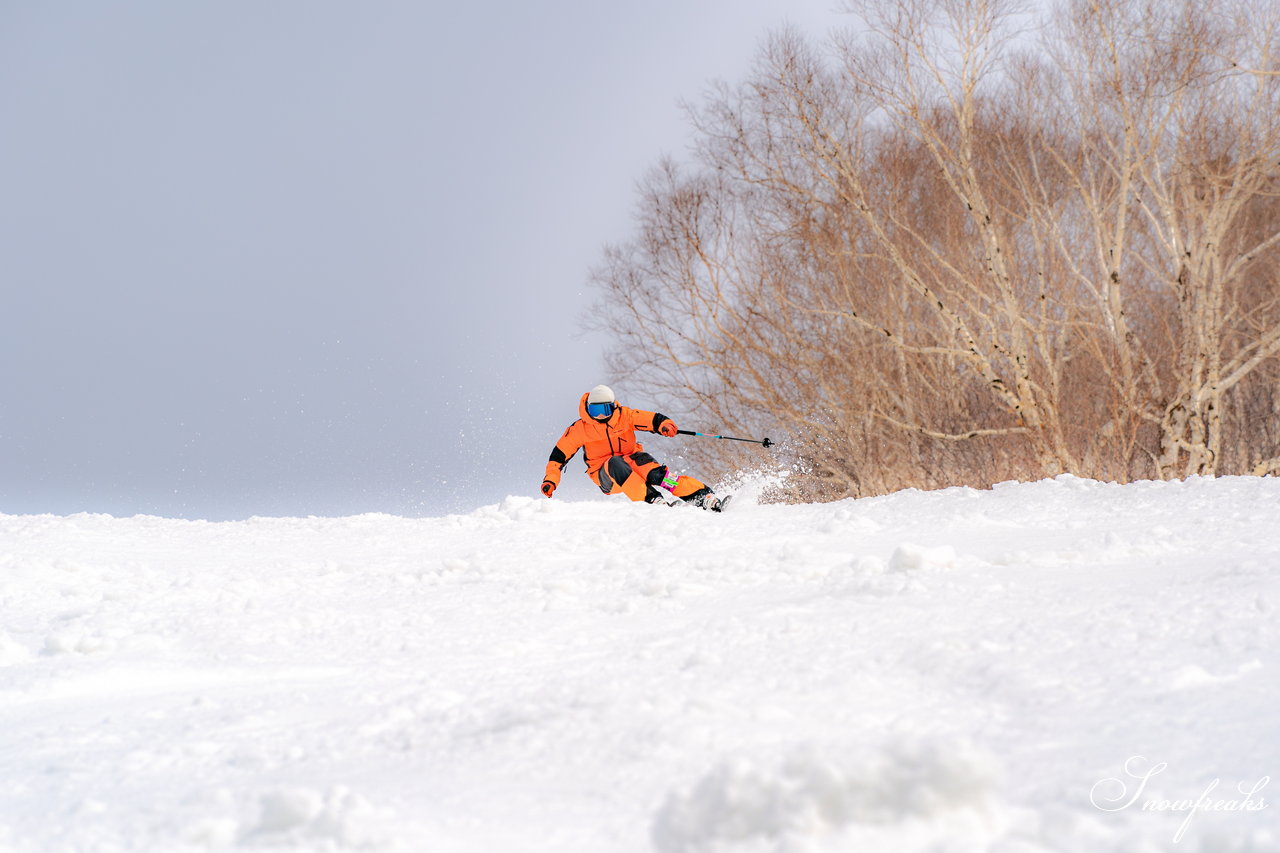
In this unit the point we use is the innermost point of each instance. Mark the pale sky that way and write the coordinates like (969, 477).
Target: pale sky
(322, 258)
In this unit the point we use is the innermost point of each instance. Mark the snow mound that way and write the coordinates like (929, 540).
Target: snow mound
(338, 818)
(914, 794)
(909, 558)
(12, 653)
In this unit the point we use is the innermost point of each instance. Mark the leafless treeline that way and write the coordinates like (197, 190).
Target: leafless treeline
(935, 257)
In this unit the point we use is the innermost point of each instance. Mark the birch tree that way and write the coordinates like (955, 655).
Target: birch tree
(932, 256)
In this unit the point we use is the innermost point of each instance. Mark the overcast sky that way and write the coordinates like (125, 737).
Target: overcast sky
(321, 258)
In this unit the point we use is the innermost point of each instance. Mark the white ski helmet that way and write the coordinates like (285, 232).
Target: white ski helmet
(601, 402)
(601, 394)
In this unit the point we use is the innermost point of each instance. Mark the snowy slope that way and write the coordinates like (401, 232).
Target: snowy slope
(1063, 665)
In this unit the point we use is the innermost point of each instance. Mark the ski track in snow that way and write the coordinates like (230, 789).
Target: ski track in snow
(951, 670)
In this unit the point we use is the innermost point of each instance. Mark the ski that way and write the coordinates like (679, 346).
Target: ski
(718, 506)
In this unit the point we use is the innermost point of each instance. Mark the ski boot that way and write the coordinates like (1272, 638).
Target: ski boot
(706, 499)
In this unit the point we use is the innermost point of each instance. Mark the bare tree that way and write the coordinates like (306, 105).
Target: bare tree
(934, 260)
(1176, 145)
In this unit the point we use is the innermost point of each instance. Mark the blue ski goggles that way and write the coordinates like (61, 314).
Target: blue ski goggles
(599, 410)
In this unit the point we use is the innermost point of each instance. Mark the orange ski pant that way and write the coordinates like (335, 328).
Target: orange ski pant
(635, 474)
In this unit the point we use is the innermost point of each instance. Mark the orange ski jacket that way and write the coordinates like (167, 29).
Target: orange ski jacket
(598, 440)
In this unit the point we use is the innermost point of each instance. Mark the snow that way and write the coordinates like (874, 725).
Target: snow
(1064, 665)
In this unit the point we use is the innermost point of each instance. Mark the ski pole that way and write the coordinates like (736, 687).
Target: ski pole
(766, 442)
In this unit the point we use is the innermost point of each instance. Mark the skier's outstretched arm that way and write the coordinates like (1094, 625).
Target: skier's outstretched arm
(654, 422)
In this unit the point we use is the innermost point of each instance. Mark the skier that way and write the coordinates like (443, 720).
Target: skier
(605, 432)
